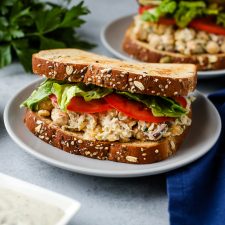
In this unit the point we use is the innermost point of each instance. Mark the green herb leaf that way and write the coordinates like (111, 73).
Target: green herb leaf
(71, 17)
(21, 47)
(38, 25)
(48, 43)
(5, 55)
(48, 20)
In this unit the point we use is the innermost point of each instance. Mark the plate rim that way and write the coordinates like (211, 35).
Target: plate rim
(201, 74)
(98, 172)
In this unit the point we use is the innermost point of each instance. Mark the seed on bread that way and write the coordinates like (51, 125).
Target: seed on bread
(172, 144)
(69, 70)
(131, 159)
(38, 128)
(139, 85)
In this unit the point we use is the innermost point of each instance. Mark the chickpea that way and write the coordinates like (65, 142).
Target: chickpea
(45, 105)
(185, 34)
(221, 40)
(214, 37)
(44, 113)
(212, 47)
(169, 30)
(159, 29)
(142, 32)
(167, 39)
(154, 40)
(202, 35)
(195, 47)
(59, 117)
(180, 46)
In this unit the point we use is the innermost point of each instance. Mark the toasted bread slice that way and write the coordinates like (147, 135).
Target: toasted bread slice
(75, 65)
(136, 152)
(142, 51)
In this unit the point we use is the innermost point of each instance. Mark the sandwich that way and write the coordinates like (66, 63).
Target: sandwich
(108, 109)
(178, 31)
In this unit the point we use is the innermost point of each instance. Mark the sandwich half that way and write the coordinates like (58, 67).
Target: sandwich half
(175, 31)
(108, 109)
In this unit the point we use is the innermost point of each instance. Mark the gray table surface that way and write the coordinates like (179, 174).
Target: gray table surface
(104, 200)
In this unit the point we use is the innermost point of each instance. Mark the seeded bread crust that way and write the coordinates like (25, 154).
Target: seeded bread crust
(142, 51)
(74, 65)
(133, 152)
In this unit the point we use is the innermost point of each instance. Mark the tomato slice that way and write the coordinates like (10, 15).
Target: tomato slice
(181, 100)
(53, 99)
(208, 26)
(142, 9)
(167, 21)
(78, 104)
(133, 109)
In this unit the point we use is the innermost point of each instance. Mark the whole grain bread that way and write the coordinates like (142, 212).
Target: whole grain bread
(142, 51)
(132, 152)
(74, 65)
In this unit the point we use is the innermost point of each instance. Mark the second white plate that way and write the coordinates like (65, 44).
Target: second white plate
(112, 36)
(203, 134)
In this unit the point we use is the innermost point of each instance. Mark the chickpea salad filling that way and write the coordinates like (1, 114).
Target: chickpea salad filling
(180, 26)
(108, 115)
(186, 40)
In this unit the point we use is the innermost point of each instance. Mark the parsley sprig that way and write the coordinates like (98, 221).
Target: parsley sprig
(26, 26)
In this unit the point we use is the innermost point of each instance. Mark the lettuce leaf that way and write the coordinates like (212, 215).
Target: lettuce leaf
(185, 11)
(160, 106)
(64, 93)
(166, 7)
(221, 19)
(42, 92)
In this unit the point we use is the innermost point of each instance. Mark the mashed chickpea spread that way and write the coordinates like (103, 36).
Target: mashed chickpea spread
(116, 126)
(186, 40)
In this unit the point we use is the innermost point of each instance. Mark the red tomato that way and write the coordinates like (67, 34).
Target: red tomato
(167, 21)
(53, 98)
(133, 109)
(142, 9)
(205, 25)
(78, 104)
(181, 100)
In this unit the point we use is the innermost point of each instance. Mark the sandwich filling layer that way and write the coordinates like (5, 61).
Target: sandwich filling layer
(185, 40)
(107, 115)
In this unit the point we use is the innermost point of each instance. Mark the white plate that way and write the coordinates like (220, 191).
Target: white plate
(112, 36)
(203, 134)
(67, 205)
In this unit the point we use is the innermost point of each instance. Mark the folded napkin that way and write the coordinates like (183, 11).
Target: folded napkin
(197, 192)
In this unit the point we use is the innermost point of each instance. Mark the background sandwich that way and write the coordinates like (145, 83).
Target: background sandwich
(105, 108)
(179, 31)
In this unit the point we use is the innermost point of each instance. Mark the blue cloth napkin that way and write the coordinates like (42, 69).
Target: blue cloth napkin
(197, 192)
